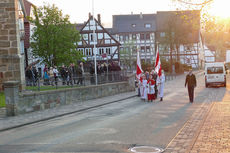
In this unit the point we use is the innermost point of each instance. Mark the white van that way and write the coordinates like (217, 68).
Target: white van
(215, 74)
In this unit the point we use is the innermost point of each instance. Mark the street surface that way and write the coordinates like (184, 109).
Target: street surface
(115, 127)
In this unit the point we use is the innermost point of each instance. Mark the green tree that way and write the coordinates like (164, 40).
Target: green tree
(127, 55)
(54, 39)
(180, 29)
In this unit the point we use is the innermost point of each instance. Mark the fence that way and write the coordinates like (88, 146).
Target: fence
(73, 82)
(169, 77)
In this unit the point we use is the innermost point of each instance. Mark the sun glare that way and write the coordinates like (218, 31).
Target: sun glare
(220, 8)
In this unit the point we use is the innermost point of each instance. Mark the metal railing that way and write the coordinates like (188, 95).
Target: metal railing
(41, 84)
(169, 77)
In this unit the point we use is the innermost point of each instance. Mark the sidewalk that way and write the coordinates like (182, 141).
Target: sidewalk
(214, 135)
(26, 119)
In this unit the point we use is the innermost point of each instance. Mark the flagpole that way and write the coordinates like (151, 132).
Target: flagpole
(157, 45)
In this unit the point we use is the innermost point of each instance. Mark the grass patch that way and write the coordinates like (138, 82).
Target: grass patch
(46, 88)
(2, 100)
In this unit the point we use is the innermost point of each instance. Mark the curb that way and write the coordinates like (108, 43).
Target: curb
(64, 114)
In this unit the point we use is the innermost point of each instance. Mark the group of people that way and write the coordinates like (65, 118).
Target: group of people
(151, 86)
(104, 69)
(70, 75)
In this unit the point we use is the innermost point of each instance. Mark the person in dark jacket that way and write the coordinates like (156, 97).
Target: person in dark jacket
(29, 76)
(63, 74)
(191, 84)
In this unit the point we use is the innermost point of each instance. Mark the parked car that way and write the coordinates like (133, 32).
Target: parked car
(215, 74)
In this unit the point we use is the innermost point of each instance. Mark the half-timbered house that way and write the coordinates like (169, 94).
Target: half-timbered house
(106, 45)
(210, 54)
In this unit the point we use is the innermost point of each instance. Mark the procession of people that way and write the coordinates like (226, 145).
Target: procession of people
(151, 86)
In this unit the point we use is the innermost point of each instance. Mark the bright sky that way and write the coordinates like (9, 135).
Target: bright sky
(79, 9)
(220, 8)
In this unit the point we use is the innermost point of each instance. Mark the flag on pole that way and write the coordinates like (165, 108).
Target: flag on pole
(158, 63)
(139, 69)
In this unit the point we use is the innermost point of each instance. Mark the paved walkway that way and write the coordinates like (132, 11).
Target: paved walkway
(214, 135)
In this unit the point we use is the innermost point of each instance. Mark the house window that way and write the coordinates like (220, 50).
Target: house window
(101, 51)
(121, 38)
(126, 37)
(143, 49)
(134, 49)
(147, 48)
(147, 36)
(108, 51)
(87, 52)
(142, 36)
(91, 37)
(162, 34)
(133, 25)
(90, 51)
(147, 25)
(134, 36)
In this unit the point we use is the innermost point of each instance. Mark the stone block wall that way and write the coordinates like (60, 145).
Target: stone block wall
(11, 67)
(21, 103)
(49, 99)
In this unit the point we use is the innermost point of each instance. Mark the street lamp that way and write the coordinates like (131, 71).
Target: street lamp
(94, 44)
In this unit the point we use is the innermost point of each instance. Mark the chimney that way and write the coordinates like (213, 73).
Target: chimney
(141, 15)
(90, 15)
(99, 18)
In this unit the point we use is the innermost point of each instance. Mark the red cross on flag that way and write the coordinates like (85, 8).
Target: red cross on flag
(158, 63)
(139, 69)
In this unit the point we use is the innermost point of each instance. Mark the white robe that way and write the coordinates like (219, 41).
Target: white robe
(151, 89)
(141, 87)
(162, 85)
(144, 89)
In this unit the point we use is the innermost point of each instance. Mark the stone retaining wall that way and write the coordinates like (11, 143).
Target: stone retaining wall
(35, 101)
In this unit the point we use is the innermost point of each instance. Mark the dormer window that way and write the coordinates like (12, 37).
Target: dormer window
(147, 25)
(133, 25)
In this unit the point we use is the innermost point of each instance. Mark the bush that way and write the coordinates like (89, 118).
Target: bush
(165, 65)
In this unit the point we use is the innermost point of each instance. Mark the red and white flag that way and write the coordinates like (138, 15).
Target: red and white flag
(139, 69)
(158, 63)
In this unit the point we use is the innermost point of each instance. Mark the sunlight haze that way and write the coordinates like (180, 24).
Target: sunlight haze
(78, 10)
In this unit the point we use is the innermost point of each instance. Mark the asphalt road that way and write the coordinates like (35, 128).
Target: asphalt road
(115, 127)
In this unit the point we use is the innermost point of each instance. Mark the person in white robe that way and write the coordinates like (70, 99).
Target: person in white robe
(144, 92)
(162, 84)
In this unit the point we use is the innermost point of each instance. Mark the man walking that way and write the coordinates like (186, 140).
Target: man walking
(191, 84)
